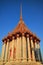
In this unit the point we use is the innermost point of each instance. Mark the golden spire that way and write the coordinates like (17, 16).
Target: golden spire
(21, 20)
(21, 12)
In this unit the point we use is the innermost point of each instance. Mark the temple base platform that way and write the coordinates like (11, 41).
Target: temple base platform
(20, 63)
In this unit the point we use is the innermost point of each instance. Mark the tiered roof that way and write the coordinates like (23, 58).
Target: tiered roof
(21, 28)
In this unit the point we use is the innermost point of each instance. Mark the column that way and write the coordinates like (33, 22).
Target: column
(32, 47)
(29, 51)
(24, 47)
(20, 48)
(12, 49)
(7, 50)
(38, 46)
(3, 50)
(36, 49)
(17, 48)
(35, 44)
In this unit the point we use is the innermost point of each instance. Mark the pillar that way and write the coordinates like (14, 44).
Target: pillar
(35, 43)
(7, 50)
(17, 48)
(12, 49)
(28, 45)
(36, 49)
(38, 46)
(24, 47)
(20, 48)
(32, 47)
(3, 50)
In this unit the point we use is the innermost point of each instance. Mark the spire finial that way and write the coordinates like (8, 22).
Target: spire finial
(21, 11)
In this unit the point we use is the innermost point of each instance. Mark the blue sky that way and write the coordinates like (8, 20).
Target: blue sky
(32, 13)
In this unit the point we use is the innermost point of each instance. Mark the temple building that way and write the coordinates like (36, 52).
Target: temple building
(21, 45)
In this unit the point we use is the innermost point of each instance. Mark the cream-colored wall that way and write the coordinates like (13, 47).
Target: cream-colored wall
(16, 43)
